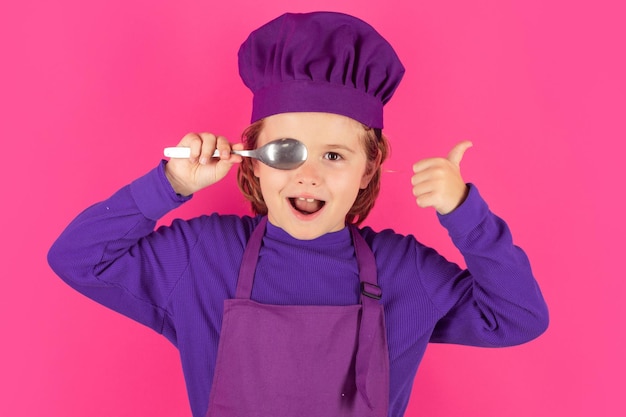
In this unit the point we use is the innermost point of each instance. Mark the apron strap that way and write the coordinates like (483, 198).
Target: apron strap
(249, 261)
(370, 311)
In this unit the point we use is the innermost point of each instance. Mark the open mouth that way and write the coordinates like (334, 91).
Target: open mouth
(306, 205)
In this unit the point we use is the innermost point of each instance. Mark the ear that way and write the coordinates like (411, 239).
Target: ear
(255, 167)
(370, 170)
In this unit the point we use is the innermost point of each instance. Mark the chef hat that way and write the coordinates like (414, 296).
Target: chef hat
(320, 62)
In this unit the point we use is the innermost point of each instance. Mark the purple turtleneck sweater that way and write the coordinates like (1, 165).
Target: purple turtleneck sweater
(176, 278)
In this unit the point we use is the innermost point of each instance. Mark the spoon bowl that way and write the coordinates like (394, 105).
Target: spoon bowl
(282, 154)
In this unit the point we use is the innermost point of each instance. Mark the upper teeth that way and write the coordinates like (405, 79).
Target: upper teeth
(308, 200)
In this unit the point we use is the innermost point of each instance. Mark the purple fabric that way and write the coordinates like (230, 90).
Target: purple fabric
(175, 279)
(371, 333)
(320, 62)
(294, 360)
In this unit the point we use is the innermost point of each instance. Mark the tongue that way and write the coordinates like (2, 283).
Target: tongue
(307, 207)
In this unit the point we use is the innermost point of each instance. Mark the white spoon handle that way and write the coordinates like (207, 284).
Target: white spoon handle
(182, 152)
(185, 152)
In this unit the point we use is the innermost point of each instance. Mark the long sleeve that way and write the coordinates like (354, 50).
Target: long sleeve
(103, 252)
(497, 301)
(174, 279)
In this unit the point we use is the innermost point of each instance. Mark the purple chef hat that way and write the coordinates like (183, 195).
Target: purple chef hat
(320, 62)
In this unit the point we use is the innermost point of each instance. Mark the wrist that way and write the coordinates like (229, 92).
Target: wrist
(458, 201)
(467, 216)
(154, 195)
(178, 187)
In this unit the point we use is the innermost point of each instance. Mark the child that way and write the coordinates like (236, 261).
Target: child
(296, 311)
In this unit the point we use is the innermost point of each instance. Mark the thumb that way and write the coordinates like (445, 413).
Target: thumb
(456, 154)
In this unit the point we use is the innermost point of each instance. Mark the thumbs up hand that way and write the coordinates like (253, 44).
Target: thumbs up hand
(437, 182)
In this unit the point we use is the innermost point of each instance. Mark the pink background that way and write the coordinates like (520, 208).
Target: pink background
(91, 91)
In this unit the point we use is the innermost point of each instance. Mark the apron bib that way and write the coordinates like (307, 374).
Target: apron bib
(288, 361)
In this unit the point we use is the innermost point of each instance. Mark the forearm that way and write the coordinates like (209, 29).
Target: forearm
(501, 303)
(97, 254)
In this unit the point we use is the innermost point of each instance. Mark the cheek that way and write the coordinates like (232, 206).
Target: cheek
(348, 186)
(269, 179)
(266, 175)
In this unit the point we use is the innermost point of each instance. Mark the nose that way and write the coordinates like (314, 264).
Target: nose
(309, 173)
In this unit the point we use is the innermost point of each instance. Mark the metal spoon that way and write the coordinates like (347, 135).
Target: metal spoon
(280, 154)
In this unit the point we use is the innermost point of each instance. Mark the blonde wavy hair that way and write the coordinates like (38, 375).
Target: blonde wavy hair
(375, 144)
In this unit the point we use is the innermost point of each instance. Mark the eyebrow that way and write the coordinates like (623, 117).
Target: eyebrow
(333, 146)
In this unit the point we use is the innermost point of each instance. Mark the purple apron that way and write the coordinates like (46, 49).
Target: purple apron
(276, 361)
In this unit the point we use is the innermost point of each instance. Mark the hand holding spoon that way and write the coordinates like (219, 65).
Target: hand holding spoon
(280, 154)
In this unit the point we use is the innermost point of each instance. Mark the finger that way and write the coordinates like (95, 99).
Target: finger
(208, 147)
(424, 164)
(456, 154)
(422, 189)
(238, 146)
(422, 176)
(223, 147)
(194, 142)
(188, 138)
(234, 157)
(424, 200)
(435, 170)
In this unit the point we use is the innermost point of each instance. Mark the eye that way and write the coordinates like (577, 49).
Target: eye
(333, 156)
